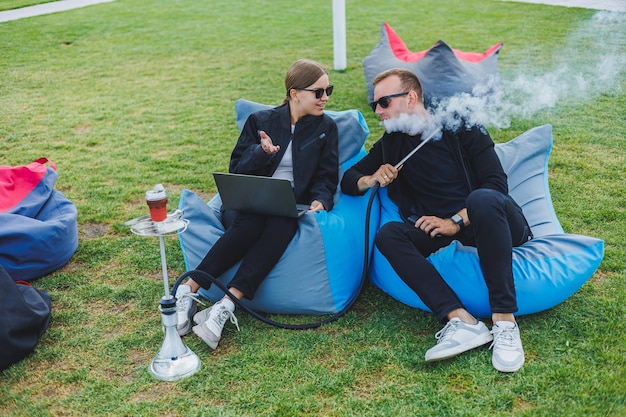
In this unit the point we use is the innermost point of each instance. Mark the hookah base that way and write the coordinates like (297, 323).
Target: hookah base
(172, 369)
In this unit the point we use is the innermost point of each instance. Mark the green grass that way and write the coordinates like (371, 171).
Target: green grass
(16, 4)
(128, 94)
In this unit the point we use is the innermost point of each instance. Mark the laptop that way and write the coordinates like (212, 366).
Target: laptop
(256, 194)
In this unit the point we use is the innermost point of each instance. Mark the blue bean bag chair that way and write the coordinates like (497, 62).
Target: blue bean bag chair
(442, 70)
(547, 270)
(38, 224)
(316, 274)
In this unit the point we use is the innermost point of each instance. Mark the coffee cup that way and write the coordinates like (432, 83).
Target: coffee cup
(157, 203)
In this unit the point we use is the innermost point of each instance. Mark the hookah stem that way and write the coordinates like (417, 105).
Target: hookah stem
(417, 148)
(164, 267)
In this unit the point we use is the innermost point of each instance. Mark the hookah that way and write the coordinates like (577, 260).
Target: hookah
(174, 359)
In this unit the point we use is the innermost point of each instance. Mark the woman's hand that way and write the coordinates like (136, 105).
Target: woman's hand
(267, 145)
(316, 206)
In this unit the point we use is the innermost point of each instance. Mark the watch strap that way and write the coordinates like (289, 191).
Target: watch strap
(458, 220)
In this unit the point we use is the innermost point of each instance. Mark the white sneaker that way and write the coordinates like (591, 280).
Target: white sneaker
(457, 337)
(210, 322)
(186, 307)
(508, 353)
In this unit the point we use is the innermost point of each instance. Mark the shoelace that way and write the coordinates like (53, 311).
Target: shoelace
(224, 315)
(445, 333)
(184, 299)
(505, 338)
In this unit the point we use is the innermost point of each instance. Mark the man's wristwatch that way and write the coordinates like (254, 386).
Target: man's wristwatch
(457, 219)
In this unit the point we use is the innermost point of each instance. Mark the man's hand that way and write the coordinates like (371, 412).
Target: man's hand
(383, 176)
(436, 226)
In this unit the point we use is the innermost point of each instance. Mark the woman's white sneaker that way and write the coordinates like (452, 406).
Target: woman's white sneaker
(186, 307)
(210, 322)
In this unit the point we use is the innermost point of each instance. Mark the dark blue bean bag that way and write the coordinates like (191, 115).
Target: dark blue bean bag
(38, 224)
(547, 270)
(442, 70)
(320, 272)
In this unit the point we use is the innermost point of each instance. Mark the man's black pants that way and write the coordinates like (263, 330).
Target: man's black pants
(497, 224)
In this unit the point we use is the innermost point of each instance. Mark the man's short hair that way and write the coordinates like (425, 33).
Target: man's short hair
(408, 80)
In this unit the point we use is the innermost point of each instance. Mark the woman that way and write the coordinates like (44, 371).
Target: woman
(295, 141)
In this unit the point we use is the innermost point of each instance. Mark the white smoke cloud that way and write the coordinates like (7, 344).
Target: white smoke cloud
(407, 123)
(592, 62)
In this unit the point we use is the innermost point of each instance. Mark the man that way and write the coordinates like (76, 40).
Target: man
(454, 188)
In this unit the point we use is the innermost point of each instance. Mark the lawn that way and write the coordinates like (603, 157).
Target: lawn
(16, 4)
(131, 93)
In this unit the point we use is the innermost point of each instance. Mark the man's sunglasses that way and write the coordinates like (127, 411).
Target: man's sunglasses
(385, 101)
(319, 92)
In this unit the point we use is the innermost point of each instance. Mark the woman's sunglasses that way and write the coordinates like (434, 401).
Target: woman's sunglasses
(385, 101)
(319, 92)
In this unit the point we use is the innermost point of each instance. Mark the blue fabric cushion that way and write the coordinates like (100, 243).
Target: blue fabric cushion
(525, 161)
(547, 270)
(315, 275)
(39, 235)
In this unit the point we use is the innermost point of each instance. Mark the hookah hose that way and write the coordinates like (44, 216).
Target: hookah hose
(298, 326)
(366, 254)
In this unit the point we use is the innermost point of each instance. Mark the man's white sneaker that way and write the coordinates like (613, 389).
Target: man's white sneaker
(186, 307)
(210, 322)
(508, 353)
(457, 337)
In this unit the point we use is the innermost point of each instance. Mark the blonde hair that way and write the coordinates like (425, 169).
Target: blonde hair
(302, 74)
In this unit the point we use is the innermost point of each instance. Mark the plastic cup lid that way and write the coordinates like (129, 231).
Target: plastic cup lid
(157, 193)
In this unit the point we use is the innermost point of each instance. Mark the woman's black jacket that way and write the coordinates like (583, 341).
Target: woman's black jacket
(314, 147)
